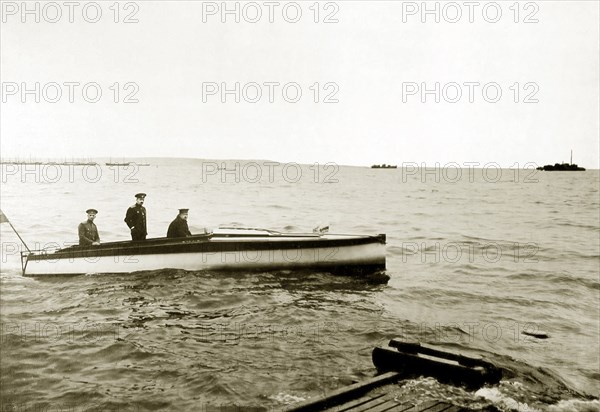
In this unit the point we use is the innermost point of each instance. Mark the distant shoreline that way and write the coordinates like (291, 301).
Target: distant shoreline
(228, 163)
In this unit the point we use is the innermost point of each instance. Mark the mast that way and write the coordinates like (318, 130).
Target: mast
(571, 156)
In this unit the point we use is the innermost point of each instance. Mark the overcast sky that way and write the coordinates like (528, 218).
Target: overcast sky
(361, 68)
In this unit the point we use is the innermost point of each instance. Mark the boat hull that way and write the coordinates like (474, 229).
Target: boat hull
(224, 251)
(412, 360)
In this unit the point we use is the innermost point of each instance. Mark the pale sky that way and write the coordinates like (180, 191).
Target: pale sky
(372, 64)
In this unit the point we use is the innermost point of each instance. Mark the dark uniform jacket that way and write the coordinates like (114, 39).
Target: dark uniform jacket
(178, 228)
(136, 220)
(88, 233)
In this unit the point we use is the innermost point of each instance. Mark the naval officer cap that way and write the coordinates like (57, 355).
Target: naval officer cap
(183, 210)
(140, 195)
(94, 211)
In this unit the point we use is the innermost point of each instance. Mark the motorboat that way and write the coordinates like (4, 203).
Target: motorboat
(223, 249)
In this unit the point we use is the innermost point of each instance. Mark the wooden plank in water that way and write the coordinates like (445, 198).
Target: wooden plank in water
(357, 402)
(345, 394)
(388, 406)
(371, 406)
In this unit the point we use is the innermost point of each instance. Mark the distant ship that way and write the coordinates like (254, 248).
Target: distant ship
(562, 167)
(125, 164)
(78, 163)
(118, 164)
(384, 166)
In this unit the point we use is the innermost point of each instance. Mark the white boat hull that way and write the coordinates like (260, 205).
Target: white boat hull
(231, 251)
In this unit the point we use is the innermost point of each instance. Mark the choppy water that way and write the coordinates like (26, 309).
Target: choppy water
(474, 261)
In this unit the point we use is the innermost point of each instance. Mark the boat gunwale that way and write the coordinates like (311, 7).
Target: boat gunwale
(205, 244)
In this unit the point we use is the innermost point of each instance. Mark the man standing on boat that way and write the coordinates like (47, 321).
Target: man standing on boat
(179, 226)
(136, 218)
(88, 232)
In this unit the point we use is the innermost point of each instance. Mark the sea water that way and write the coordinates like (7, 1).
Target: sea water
(479, 261)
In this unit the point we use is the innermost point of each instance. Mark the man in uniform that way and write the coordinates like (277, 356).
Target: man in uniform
(179, 226)
(88, 232)
(136, 218)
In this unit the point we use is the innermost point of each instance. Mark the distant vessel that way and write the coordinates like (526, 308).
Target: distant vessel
(125, 164)
(77, 163)
(118, 164)
(384, 166)
(562, 167)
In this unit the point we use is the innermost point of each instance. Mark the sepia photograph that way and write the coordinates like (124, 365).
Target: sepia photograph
(350, 205)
